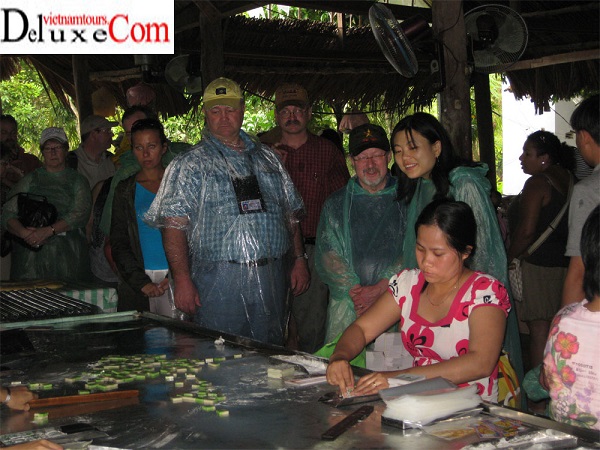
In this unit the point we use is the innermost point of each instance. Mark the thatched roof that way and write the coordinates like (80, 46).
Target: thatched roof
(261, 53)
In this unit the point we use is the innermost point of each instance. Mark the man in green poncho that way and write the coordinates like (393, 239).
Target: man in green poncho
(361, 230)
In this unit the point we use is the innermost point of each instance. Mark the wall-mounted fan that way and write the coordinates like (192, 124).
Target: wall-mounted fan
(497, 37)
(183, 74)
(395, 38)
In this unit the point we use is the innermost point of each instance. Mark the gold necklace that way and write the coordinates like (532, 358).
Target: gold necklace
(445, 296)
(234, 145)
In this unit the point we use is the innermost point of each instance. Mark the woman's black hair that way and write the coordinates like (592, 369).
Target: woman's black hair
(433, 131)
(590, 254)
(455, 219)
(546, 143)
(149, 124)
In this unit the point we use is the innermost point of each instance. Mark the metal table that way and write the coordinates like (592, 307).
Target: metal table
(263, 412)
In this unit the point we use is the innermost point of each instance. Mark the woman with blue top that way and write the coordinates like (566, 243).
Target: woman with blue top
(136, 247)
(432, 169)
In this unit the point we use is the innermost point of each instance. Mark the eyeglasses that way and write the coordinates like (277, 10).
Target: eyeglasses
(52, 149)
(104, 130)
(285, 113)
(366, 158)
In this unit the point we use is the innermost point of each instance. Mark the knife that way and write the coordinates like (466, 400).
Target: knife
(348, 422)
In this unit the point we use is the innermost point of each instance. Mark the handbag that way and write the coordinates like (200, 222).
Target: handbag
(34, 211)
(515, 272)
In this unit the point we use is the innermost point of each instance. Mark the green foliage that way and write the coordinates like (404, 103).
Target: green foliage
(24, 97)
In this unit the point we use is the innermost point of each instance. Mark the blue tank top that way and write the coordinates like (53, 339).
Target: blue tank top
(150, 238)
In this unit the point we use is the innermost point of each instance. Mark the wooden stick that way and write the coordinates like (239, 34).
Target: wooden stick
(86, 398)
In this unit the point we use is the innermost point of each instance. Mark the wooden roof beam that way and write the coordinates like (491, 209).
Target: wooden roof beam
(584, 55)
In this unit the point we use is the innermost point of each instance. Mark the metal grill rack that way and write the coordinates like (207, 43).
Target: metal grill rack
(36, 304)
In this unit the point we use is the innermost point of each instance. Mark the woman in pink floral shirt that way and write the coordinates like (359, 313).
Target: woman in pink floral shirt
(572, 356)
(452, 319)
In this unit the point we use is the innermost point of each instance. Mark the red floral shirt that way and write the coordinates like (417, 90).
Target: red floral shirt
(431, 343)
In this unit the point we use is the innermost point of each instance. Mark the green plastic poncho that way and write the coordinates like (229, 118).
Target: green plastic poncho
(359, 241)
(469, 185)
(63, 257)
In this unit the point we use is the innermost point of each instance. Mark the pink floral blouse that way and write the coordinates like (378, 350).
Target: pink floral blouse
(572, 366)
(431, 343)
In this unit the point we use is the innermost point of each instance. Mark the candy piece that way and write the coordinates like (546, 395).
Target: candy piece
(208, 408)
(83, 392)
(177, 399)
(280, 372)
(222, 412)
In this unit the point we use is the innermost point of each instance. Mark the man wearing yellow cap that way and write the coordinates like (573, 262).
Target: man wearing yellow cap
(229, 213)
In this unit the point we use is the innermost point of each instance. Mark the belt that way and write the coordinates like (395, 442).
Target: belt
(310, 241)
(255, 263)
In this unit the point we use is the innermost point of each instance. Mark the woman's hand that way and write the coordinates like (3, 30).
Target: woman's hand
(339, 373)
(371, 384)
(155, 289)
(36, 236)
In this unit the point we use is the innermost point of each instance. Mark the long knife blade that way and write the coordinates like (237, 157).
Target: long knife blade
(348, 422)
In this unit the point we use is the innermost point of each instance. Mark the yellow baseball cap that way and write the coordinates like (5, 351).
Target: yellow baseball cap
(222, 91)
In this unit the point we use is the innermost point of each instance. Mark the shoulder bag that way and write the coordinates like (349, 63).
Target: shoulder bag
(515, 274)
(34, 211)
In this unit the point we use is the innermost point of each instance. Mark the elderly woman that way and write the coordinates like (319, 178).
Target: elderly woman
(58, 251)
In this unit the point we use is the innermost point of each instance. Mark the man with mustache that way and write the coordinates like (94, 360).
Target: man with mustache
(359, 242)
(317, 169)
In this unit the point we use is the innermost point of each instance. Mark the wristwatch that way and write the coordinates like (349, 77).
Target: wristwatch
(303, 255)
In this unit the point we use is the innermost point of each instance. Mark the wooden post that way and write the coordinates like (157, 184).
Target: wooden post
(211, 43)
(83, 92)
(341, 28)
(485, 126)
(455, 106)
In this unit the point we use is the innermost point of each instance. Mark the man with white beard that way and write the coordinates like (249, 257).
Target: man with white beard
(361, 231)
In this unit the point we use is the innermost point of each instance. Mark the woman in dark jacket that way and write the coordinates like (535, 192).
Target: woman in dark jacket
(136, 247)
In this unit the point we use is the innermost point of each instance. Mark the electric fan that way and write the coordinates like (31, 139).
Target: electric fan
(394, 38)
(183, 74)
(497, 37)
